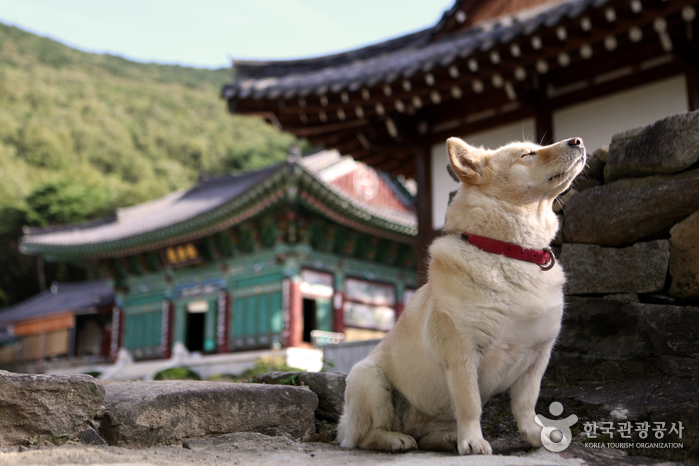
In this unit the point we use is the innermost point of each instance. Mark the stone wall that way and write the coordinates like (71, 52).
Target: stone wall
(629, 243)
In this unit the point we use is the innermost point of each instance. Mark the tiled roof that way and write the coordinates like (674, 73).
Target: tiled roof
(61, 297)
(332, 159)
(177, 207)
(172, 209)
(192, 211)
(393, 59)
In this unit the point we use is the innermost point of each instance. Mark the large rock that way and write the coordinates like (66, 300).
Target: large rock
(610, 329)
(142, 414)
(610, 340)
(329, 386)
(36, 406)
(684, 258)
(625, 211)
(590, 269)
(669, 145)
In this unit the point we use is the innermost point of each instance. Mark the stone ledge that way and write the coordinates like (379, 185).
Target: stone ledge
(36, 406)
(329, 386)
(142, 414)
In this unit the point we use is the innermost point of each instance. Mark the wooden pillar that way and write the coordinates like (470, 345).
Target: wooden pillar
(425, 232)
(166, 329)
(295, 330)
(400, 293)
(72, 341)
(223, 321)
(338, 312)
(543, 118)
(117, 331)
(540, 105)
(338, 302)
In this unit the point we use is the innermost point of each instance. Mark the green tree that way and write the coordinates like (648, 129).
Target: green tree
(82, 134)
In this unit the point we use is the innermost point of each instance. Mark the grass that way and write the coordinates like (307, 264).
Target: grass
(262, 366)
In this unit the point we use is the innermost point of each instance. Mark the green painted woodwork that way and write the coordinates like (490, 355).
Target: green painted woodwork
(353, 267)
(252, 327)
(224, 243)
(135, 265)
(142, 303)
(303, 229)
(210, 326)
(276, 321)
(247, 240)
(256, 281)
(179, 330)
(206, 249)
(120, 273)
(324, 314)
(269, 233)
(142, 333)
(256, 316)
(153, 261)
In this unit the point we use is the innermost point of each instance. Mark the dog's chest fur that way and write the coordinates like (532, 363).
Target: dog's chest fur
(505, 309)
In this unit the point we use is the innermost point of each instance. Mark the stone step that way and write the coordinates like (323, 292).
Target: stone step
(36, 405)
(143, 414)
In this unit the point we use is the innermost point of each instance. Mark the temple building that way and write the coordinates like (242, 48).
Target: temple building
(490, 72)
(251, 261)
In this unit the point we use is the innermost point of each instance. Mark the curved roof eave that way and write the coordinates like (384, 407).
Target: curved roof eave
(385, 61)
(269, 190)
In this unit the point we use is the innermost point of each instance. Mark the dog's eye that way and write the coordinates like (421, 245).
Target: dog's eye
(528, 153)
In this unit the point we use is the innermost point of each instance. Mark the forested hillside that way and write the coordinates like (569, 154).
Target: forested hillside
(82, 134)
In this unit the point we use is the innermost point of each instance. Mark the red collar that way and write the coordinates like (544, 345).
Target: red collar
(544, 258)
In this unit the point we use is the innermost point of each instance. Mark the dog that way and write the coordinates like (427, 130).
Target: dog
(484, 322)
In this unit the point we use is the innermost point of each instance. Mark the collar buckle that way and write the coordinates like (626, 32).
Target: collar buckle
(550, 261)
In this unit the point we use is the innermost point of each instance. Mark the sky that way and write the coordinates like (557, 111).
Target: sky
(208, 33)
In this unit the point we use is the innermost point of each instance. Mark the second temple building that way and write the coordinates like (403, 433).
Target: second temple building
(250, 261)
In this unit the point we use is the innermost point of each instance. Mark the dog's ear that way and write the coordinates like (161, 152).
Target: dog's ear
(466, 160)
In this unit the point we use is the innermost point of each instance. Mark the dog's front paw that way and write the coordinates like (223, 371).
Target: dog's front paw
(400, 442)
(389, 441)
(474, 446)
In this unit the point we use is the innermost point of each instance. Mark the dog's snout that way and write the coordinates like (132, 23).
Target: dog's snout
(576, 142)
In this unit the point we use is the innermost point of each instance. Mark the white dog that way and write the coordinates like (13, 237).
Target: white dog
(487, 318)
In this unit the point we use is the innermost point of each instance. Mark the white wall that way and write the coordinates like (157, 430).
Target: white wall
(443, 184)
(596, 121)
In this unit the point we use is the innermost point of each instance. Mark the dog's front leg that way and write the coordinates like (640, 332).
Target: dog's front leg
(525, 392)
(462, 378)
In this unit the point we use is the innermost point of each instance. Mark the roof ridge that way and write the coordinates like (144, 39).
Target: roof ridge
(246, 69)
(31, 231)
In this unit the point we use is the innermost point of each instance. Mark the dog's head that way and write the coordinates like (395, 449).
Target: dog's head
(519, 173)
